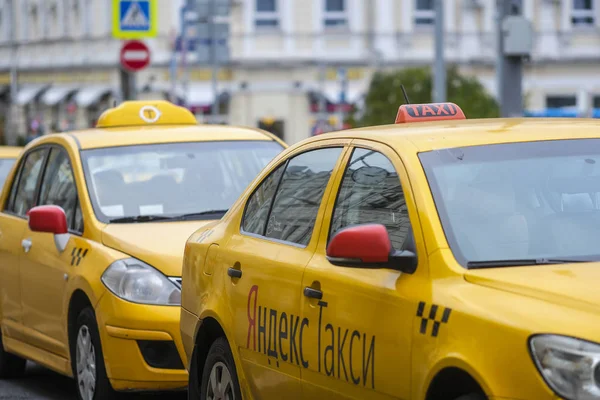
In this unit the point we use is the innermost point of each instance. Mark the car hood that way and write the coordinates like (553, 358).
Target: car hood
(160, 244)
(571, 285)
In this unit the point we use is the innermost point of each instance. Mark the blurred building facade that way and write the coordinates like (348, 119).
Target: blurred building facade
(287, 57)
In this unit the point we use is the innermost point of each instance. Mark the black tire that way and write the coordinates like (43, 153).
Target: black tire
(194, 378)
(11, 366)
(219, 356)
(472, 396)
(103, 390)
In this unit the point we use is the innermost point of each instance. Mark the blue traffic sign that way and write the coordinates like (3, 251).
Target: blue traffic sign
(134, 19)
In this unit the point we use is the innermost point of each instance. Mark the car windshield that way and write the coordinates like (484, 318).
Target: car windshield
(518, 201)
(150, 182)
(5, 166)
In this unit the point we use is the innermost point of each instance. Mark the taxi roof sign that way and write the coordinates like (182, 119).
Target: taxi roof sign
(145, 113)
(428, 112)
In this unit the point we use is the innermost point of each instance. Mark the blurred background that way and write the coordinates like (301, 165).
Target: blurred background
(294, 67)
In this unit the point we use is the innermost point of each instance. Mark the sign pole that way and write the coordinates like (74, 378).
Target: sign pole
(215, 62)
(128, 85)
(439, 75)
(509, 65)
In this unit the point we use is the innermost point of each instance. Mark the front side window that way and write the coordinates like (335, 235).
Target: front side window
(58, 188)
(266, 14)
(518, 201)
(5, 165)
(371, 193)
(198, 180)
(23, 195)
(294, 211)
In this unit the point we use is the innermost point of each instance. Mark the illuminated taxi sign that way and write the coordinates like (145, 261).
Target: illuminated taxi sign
(428, 112)
(145, 113)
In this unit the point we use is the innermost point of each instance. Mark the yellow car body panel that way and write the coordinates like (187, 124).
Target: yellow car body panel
(154, 243)
(388, 316)
(60, 277)
(10, 151)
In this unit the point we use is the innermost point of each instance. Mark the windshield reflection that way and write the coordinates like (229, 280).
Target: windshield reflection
(519, 201)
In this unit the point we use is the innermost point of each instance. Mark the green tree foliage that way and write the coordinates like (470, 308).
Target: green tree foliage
(385, 94)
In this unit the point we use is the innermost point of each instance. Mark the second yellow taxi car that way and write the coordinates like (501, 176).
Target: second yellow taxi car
(92, 231)
(444, 259)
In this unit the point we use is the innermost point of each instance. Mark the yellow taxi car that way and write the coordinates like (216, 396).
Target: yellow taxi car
(8, 156)
(435, 258)
(93, 226)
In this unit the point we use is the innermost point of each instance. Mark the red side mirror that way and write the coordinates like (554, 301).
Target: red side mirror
(369, 244)
(50, 219)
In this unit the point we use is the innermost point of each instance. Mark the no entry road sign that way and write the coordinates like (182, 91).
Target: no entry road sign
(135, 55)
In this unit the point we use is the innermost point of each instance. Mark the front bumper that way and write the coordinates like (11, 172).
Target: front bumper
(127, 328)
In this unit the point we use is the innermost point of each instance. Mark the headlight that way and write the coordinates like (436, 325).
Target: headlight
(570, 366)
(136, 281)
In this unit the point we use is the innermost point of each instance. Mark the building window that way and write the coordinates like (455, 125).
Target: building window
(561, 101)
(336, 14)
(582, 13)
(275, 126)
(424, 13)
(267, 14)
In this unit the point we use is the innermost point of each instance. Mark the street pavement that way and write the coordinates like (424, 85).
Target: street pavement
(42, 384)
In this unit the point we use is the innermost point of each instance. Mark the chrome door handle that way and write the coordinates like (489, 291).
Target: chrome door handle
(26, 243)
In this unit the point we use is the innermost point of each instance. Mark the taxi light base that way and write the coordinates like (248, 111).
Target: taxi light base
(145, 113)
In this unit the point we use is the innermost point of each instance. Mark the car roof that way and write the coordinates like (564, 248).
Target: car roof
(127, 136)
(10, 151)
(427, 136)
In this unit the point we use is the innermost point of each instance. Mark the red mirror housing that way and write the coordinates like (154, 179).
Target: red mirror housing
(51, 219)
(369, 244)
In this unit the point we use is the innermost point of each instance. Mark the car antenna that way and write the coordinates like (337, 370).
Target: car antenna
(405, 95)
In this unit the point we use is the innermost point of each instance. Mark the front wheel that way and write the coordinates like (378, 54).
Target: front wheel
(11, 366)
(219, 377)
(88, 366)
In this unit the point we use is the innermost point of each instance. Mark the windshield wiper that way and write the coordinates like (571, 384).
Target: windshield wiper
(142, 218)
(201, 214)
(515, 263)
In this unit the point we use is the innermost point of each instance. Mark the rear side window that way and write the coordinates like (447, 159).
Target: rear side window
(294, 211)
(24, 190)
(259, 204)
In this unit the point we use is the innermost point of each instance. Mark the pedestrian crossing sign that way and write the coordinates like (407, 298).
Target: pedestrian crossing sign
(134, 19)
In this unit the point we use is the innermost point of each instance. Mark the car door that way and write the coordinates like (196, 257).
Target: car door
(13, 222)
(44, 270)
(274, 244)
(365, 316)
